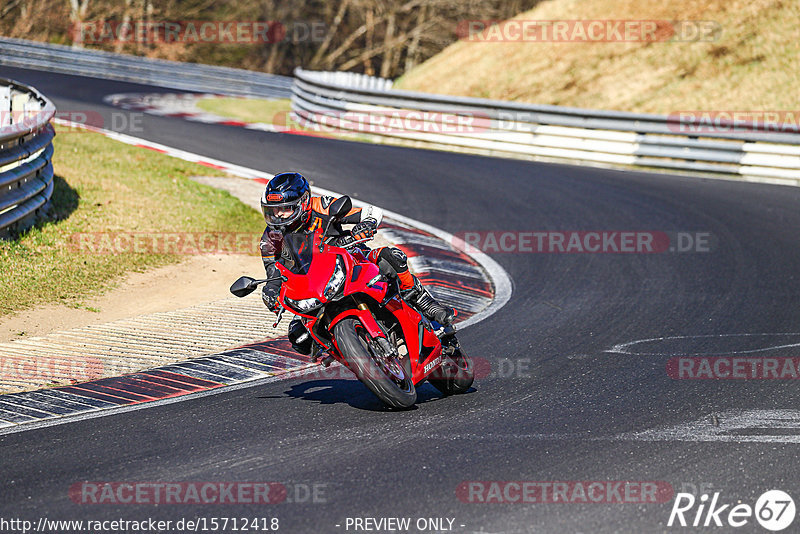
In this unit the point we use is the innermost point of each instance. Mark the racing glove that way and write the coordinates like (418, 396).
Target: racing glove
(365, 229)
(269, 294)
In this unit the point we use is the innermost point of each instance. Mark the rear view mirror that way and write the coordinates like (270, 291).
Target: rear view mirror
(341, 207)
(244, 286)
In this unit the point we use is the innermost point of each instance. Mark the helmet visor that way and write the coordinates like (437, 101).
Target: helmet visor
(283, 214)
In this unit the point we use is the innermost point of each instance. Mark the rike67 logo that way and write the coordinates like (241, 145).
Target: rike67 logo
(774, 510)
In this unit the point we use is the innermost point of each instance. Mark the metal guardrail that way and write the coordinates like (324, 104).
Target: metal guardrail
(26, 149)
(123, 67)
(362, 105)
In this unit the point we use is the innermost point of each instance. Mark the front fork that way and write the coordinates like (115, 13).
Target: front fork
(364, 315)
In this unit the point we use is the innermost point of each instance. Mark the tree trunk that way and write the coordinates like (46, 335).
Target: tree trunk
(412, 53)
(368, 69)
(77, 14)
(126, 19)
(331, 33)
(386, 63)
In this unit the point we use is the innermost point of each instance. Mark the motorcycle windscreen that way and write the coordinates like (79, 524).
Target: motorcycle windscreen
(297, 252)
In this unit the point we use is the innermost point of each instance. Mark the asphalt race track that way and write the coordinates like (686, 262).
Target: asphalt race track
(561, 403)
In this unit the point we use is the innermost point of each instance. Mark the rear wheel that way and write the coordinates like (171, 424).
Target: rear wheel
(375, 365)
(456, 373)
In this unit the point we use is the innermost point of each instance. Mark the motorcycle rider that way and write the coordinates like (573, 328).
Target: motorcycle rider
(288, 206)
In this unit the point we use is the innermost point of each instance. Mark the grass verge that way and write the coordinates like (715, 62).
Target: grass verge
(105, 186)
(249, 109)
(254, 110)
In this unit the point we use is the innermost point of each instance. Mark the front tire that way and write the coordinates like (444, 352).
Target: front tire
(455, 375)
(383, 374)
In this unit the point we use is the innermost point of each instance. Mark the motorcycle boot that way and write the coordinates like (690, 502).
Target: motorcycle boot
(419, 297)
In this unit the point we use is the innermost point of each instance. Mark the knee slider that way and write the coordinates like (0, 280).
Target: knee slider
(395, 257)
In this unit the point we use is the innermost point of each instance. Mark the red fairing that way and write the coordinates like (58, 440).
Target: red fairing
(424, 346)
(365, 317)
(368, 273)
(312, 285)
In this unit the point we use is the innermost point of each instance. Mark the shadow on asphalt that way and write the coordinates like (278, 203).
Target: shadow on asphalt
(353, 393)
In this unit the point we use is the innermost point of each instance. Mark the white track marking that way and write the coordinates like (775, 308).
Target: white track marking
(737, 426)
(72, 418)
(624, 348)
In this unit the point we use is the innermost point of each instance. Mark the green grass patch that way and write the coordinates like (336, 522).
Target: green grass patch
(106, 186)
(249, 109)
(273, 112)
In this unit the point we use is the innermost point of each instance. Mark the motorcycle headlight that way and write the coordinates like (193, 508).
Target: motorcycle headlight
(305, 305)
(337, 279)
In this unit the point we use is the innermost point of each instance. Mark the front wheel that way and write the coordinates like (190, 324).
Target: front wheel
(382, 372)
(456, 373)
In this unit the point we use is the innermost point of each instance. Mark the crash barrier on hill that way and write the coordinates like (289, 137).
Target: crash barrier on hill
(754, 147)
(123, 67)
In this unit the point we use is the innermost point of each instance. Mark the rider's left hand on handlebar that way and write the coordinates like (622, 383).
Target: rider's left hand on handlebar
(365, 229)
(269, 295)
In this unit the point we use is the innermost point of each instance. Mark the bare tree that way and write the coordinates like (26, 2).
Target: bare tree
(387, 37)
(412, 54)
(77, 15)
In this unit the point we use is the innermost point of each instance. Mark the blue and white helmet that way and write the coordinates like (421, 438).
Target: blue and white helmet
(286, 202)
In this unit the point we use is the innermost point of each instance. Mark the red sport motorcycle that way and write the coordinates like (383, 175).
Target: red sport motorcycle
(357, 316)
